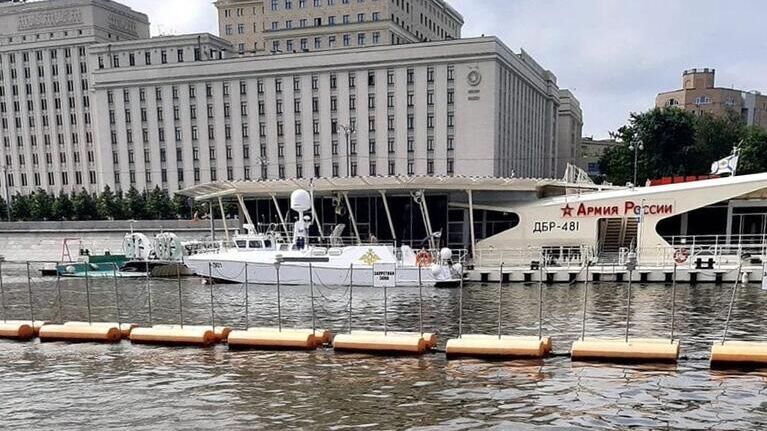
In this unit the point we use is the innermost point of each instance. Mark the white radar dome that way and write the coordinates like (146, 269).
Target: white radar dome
(300, 201)
(446, 254)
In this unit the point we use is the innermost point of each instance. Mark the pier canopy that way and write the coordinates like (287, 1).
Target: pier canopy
(393, 184)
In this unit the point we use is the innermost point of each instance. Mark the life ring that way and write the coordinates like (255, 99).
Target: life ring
(423, 258)
(681, 255)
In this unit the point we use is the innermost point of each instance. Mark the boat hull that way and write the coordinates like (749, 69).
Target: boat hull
(297, 274)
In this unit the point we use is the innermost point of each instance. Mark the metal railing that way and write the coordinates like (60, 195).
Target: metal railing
(702, 252)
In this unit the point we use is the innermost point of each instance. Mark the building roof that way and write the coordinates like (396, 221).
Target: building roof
(268, 188)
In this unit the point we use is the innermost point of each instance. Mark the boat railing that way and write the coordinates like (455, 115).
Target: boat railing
(562, 257)
(700, 255)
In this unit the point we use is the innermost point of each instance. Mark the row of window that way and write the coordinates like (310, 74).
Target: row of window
(48, 159)
(246, 172)
(23, 181)
(54, 70)
(53, 54)
(243, 85)
(288, 4)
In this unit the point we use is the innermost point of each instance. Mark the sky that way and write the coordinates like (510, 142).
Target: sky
(614, 55)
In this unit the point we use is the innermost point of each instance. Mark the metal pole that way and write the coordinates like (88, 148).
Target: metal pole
(212, 308)
(732, 303)
(180, 300)
(279, 307)
(628, 307)
(460, 308)
(420, 301)
(351, 287)
(540, 307)
(386, 301)
(212, 222)
(149, 297)
(311, 293)
(247, 300)
(87, 291)
(673, 303)
(2, 293)
(585, 302)
(117, 296)
(58, 295)
(500, 300)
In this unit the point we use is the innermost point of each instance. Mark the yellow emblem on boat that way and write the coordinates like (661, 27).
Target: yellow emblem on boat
(369, 258)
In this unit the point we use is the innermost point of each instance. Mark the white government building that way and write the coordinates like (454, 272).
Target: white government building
(87, 100)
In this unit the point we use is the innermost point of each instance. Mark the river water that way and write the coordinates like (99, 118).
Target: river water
(124, 386)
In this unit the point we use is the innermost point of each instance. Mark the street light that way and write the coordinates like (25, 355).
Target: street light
(348, 133)
(636, 149)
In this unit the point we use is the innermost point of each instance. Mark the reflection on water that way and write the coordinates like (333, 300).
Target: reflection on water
(64, 386)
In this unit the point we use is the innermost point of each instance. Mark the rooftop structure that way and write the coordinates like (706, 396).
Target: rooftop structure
(263, 26)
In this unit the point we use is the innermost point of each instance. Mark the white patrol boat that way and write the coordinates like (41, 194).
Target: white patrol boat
(265, 258)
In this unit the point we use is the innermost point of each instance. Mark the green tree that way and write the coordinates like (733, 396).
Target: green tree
(63, 208)
(753, 151)
(21, 207)
(84, 206)
(134, 204)
(182, 206)
(3, 210)
(109, 205)
(41, 205)
(675, 143)
(159, 205)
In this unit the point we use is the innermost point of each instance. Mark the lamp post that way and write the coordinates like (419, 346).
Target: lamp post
(348, 133)
(636, 149)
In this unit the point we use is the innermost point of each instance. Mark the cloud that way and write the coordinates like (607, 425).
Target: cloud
(177, 16)
(617, 55)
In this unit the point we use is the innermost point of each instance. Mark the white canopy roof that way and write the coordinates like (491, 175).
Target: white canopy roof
(268, 188)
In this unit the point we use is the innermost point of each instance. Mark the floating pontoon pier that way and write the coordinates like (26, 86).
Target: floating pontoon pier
(500, 346)
(627, 349)
(735, 354)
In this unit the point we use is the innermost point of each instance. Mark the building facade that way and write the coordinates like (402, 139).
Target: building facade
(570, 130)
(465, 107)
(699, 95)
(46, 105)
(591, 151)
(287, 26)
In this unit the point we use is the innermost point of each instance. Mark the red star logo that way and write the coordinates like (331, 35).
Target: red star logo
(567, 211)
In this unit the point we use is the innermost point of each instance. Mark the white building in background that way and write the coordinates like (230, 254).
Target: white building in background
(46, 105)
(87, 100)
(465, 107)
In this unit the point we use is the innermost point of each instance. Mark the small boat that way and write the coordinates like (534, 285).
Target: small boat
(265, 258)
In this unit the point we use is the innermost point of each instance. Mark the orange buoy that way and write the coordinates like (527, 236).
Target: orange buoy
(380, 343)
(491, 346)
(16, 331)
(196, 336)
(125, 328)
(273, 339)
(36, 325)
(84, 333)
(618, 350)
(546, 341)
(221, 332)
(323, 336)
(428, 337)
(736, 354)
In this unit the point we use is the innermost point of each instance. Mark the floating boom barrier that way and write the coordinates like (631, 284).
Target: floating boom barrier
(500, 346)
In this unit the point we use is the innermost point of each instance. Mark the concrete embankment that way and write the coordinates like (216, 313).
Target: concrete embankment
(43, 241)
